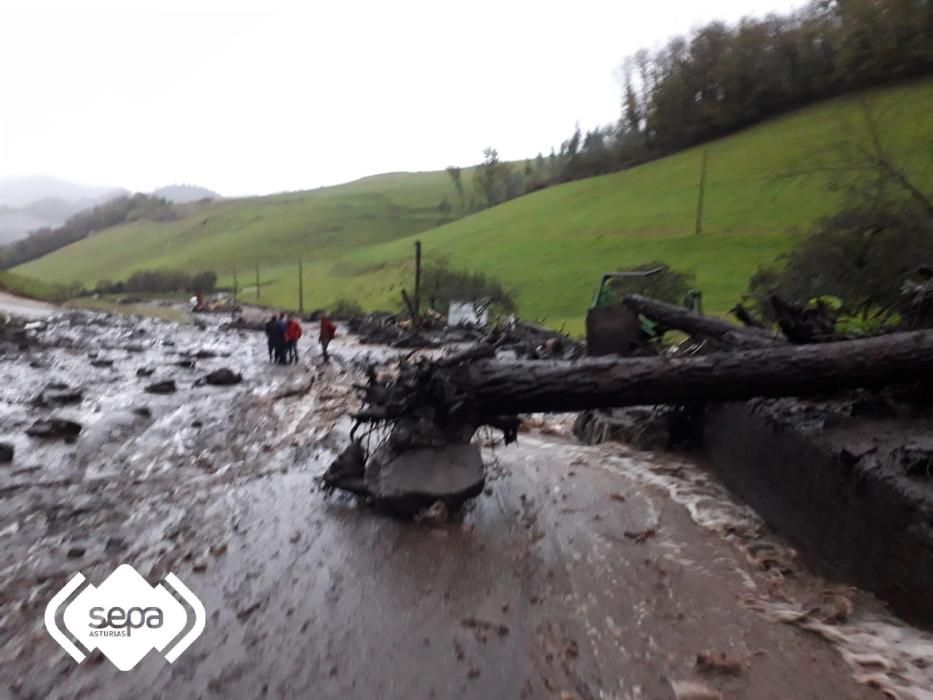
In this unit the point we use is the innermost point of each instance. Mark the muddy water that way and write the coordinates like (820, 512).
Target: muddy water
(589, 572)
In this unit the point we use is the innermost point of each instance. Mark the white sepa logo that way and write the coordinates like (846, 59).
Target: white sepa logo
(125, 617)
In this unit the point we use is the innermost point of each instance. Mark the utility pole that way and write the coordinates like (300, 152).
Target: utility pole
(301, 289)
(417, 277)
(699, 225)
(257, 280)
(236, 287)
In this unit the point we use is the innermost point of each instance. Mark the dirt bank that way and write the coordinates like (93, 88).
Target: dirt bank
(853, 492)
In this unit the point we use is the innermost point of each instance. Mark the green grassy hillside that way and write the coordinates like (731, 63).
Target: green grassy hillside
(764, 189)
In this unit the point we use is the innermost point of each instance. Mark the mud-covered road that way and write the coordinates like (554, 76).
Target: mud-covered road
(581, 572)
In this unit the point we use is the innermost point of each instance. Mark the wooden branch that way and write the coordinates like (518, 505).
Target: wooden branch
(676, 317)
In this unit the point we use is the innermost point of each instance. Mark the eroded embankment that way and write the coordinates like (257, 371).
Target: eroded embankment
(853, 493)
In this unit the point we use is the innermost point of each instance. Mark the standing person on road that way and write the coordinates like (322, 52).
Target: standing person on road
(292, 334)
(328, 331)
(272, 336)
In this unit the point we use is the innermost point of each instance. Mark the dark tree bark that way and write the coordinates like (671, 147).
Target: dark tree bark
(698, 325)
(475, 391)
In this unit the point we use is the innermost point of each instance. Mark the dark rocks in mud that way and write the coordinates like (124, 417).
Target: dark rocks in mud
(221, 377)
(145, 371)
(100, 362)
(187, 363)
(915, 458)
(54, 428)
(142, 411)
(166, 386)
(6, 452)
(58, 394)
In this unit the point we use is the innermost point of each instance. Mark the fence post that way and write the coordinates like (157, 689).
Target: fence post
(257, 280)
(301, 288)
(417, 300)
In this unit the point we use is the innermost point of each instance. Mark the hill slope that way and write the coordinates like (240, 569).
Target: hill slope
(762, 191)
(183, 194)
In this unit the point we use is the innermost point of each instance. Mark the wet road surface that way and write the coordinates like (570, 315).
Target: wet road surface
(25, 308)
(581, 572)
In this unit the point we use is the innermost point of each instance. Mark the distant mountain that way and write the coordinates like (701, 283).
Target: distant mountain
(37, 201)
(19, 192)
(182, 194)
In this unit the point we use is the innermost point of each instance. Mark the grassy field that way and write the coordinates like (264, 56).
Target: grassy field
(31, 288)
(763, 192)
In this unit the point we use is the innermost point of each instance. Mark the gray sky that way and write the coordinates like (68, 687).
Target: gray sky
(258, 96)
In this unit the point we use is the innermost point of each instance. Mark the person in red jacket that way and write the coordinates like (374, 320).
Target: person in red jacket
(292, 334)
(328, 331)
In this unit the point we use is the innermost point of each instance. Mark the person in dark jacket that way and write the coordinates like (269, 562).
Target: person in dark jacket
(272, 334)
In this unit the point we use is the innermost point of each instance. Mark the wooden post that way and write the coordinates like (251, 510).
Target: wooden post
(301, 288)
(257, 280)
(236, 287)
(417, 300)
(699, 223)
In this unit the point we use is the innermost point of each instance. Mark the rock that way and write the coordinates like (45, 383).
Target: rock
(101, 363)
(142, 411)
(54, 428)
(691, 690)
(58, 394)
(6, 452)
(221, 377)
(205, 354)
(719, 663)
(436, 515)
(915, 458)
(164, 387)
(145, 372)
(76, 552)
(114, 544)
(409, 482)
(348, 471)
(185, 364)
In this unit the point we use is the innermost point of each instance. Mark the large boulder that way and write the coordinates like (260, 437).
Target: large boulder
(409, 481)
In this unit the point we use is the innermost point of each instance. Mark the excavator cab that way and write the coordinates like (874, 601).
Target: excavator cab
(611, 327)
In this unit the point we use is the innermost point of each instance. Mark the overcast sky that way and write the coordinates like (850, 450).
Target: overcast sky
(259, 96)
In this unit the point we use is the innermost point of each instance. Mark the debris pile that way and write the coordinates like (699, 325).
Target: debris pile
(512, 337)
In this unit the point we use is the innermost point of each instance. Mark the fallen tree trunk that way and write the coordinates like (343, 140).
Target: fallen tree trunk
(678, 318)
(475, 391)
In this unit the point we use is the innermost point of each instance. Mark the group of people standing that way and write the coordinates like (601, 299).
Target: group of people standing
(283, 333)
